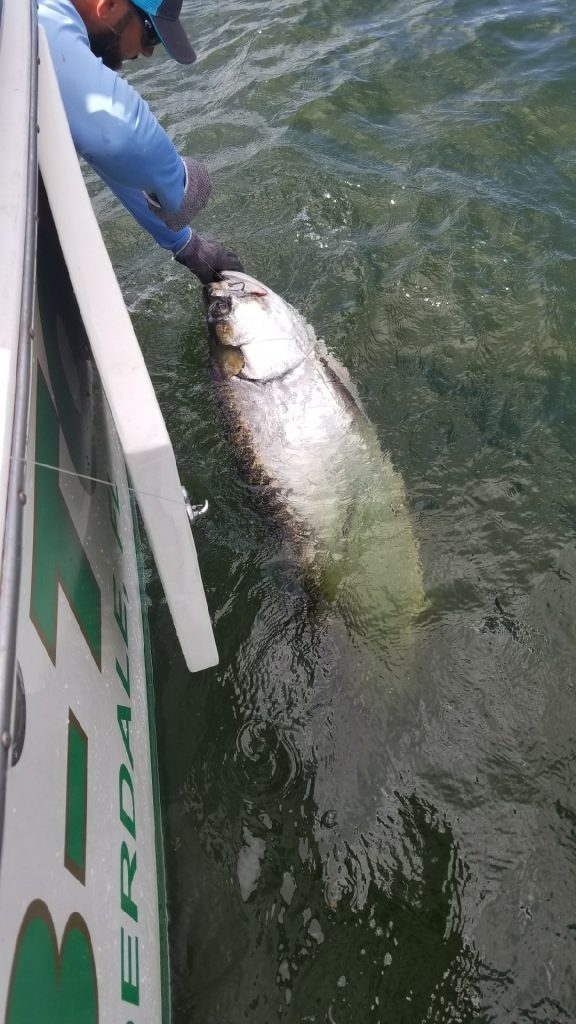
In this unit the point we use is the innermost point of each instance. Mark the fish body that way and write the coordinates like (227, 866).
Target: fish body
(303, 437)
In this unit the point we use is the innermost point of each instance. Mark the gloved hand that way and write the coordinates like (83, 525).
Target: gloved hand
(197, 192)
(207, 259)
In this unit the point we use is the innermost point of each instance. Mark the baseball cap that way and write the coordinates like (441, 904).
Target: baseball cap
(164, 15)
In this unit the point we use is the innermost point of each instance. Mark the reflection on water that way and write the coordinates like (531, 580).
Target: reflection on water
(338, 846)
(302, 798)
(348, 842)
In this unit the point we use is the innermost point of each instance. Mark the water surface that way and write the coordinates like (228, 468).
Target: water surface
(346, 846)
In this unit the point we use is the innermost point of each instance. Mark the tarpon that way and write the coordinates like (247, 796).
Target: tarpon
(308, 446)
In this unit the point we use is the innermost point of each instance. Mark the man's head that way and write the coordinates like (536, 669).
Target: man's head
(165, 18)
(120, 30)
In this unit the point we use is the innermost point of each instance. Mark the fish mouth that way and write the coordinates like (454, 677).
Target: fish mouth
(220, 296)
(219, 301)
(242, 284)
(224, 298)
(231, 284)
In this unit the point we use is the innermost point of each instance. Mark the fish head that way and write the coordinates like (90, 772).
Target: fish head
(245, 315)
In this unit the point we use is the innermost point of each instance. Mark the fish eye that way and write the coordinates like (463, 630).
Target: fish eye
(220, 308)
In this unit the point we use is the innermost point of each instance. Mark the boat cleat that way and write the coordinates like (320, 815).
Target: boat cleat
(195, 512)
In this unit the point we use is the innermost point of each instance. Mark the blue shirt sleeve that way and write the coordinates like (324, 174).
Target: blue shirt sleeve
(135, 202)
(111, 125)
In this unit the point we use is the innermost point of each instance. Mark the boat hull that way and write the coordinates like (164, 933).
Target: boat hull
(81, 879)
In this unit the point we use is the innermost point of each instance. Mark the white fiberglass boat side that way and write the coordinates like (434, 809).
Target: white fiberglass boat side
(82, 891)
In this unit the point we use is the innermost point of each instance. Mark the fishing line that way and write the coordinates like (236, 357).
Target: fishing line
(93, 479)
(243, 59)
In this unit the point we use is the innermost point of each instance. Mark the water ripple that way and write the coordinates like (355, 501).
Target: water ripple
(404, 174)
(266, 761)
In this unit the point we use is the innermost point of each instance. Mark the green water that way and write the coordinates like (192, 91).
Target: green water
(404, 173)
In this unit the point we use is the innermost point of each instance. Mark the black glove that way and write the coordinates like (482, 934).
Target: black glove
(207, 259)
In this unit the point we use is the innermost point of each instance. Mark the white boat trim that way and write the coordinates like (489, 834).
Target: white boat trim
(17, 282)
(18, 111)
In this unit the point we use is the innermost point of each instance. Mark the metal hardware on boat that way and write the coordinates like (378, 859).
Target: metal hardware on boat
(195, 512)
(6, 740)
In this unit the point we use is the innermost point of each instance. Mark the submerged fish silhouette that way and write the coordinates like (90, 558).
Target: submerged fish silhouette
(305, 442)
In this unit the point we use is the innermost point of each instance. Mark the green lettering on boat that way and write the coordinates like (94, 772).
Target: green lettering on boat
(58, 557)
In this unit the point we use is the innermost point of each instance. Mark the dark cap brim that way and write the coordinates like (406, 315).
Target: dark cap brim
(174, 38)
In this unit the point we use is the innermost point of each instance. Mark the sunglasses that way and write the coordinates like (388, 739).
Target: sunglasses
(150, 36)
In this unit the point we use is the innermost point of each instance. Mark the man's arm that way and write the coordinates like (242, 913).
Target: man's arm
(111, 125)
(115, 131)
(135, 202)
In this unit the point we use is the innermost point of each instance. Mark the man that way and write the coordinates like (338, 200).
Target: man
(114, 129)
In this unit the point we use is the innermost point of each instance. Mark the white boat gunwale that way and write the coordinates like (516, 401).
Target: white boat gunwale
(12, 539)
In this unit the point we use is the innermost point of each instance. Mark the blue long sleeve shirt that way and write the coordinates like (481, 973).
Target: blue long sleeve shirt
(112, 127)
